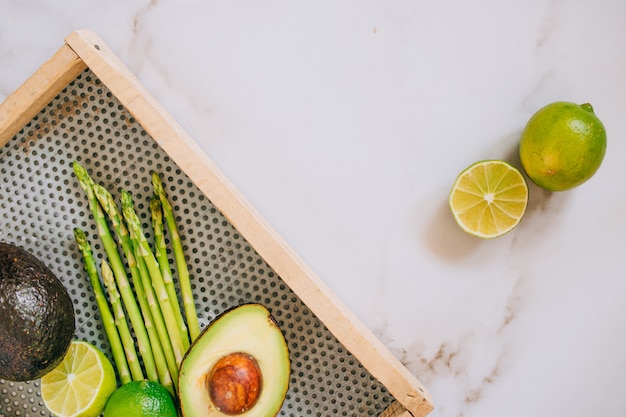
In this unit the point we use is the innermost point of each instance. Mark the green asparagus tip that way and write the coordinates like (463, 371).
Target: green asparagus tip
(127, 198)
(128, 210)
(159, 191)
(80, 236)
(106, 201)
(102, 193)
(155, 207)
(76, 165)
(107, 277)
(85, 180)
(156, 183)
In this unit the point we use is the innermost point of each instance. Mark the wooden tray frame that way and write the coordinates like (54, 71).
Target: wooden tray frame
(84, 49)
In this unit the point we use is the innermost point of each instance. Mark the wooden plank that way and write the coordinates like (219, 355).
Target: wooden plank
(36, 92)
(361, 343)
(395, 410)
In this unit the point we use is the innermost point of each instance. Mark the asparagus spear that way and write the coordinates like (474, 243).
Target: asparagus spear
(161, 254)
(119, 271)
(179, 255)
(164, 338)
(144, 253)
(117, 349)
(108, 204)
(120, 322)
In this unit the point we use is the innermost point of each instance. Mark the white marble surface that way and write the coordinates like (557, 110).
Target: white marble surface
(345, 124)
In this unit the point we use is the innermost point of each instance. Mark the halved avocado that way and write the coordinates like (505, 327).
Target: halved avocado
(239, 365)
(36, 316)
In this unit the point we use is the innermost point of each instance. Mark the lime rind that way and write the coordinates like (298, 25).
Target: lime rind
(562, 145)
(489, 198)
(141, 398)
(81, 384)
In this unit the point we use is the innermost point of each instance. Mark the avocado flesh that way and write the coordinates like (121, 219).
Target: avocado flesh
(249, 329)
(37, 323)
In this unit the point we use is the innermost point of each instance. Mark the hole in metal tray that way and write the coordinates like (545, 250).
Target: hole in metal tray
(41, 202)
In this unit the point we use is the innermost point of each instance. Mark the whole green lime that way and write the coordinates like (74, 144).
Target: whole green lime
(562, 145)
(141, 399)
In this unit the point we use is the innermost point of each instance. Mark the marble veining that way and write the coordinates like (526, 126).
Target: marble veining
(345, 124)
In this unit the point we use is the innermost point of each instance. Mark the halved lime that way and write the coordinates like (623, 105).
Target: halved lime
(81, 384)
(489, 198)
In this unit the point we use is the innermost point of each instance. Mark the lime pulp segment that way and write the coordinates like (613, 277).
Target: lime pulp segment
(489, 198)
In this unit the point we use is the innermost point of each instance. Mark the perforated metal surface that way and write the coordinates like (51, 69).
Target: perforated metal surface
(41, 202)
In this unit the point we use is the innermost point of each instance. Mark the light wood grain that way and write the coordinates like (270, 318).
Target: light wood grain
(84, 49)
(36, 92)
(356, 337)
(395, 410)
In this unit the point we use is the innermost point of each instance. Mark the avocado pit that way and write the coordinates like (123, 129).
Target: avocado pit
(234, 383)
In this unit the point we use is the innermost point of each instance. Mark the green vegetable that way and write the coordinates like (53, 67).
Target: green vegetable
(164, 338)
(117, 349)
(119, 272)
(143, 252)
(170, 357)
(179, 255)
(163, 260)
(120, 322)
(151, 304)
(108, 204)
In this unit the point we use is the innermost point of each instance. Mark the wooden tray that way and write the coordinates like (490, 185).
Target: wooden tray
(84, 104)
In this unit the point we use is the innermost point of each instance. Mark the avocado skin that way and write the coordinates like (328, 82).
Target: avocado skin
(38, 320)
(269, 348)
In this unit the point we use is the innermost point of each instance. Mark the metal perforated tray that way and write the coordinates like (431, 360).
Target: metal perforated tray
(41, 202)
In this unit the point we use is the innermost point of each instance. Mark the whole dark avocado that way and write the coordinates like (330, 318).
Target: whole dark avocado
(37, 318)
